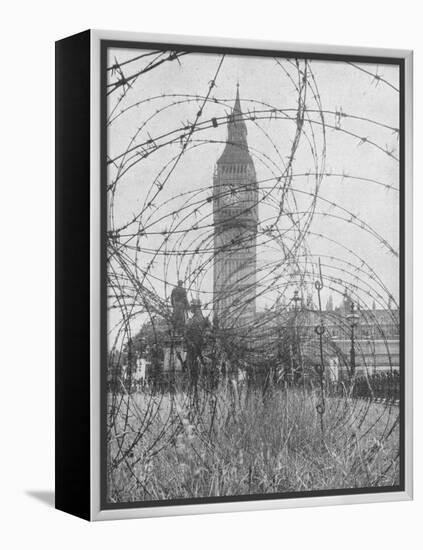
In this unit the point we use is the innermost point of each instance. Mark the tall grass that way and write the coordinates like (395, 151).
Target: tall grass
(239, 442)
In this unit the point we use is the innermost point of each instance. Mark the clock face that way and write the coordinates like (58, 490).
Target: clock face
(231, 195)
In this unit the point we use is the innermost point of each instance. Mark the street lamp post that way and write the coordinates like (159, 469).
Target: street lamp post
(297, 354)
(353, 318)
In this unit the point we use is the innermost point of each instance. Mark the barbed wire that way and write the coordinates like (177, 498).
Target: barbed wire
(303, 241)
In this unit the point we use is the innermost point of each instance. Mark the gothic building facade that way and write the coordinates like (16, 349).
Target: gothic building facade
(235, 218)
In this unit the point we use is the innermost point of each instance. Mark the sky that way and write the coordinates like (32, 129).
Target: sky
(354, 228)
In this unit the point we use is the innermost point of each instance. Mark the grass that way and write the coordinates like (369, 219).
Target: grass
(237, 442)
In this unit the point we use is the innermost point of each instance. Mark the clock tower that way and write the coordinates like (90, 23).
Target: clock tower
(235, 218)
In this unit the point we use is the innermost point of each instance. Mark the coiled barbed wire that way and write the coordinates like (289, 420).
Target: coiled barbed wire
(306, 233)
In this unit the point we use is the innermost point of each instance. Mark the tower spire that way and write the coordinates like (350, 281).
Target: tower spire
(236, 115)
(236, 149)
(237, 106)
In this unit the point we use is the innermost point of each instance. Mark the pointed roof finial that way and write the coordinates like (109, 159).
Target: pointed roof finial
(237, 106)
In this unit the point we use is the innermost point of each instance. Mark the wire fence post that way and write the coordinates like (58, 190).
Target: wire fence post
(320, 367)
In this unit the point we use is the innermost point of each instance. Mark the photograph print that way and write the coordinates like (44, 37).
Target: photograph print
(253, 295)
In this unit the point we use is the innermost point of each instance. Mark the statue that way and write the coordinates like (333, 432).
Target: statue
(180, 304)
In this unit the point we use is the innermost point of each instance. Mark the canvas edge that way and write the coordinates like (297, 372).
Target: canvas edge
(72, 218)
(408, 212)
(254, 505)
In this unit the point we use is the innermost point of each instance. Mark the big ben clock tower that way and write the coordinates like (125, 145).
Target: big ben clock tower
(235, 215)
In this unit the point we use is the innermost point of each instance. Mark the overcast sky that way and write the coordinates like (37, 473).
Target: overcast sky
(165, 105)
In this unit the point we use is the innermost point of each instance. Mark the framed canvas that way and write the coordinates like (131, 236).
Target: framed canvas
(233, 281)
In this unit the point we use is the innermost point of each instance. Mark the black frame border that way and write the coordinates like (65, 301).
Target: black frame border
(72, 274)
(301, 54)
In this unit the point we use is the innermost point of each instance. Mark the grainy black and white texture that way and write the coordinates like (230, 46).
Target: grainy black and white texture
(253, 315)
